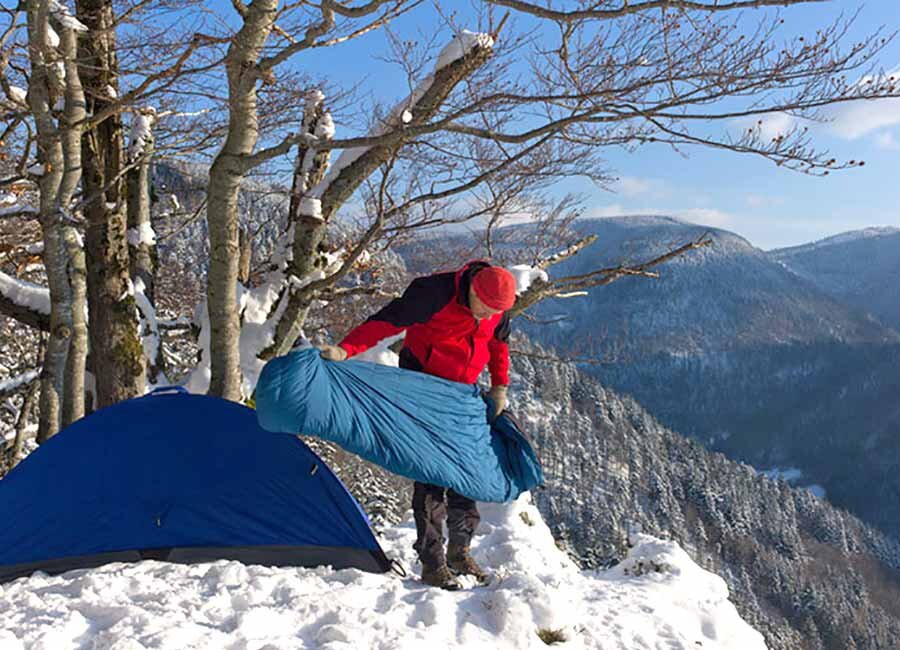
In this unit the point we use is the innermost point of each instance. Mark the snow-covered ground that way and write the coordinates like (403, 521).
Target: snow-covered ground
(656, 598)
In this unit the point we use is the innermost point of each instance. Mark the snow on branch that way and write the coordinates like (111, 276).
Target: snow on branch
(22, 313)
(65, 18)
(141, 132)
(13, 384)
(25, 294)
(143, 234)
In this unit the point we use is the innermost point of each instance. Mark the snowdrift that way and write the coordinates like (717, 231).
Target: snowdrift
(656, 598)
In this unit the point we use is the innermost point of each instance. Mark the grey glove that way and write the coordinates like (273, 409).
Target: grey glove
(333, 352)
(498, 396)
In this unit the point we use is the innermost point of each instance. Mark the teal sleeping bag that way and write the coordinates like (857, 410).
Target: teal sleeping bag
(422, 427)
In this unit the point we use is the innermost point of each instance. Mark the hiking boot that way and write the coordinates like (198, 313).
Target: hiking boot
(440, 577)
(461, 563)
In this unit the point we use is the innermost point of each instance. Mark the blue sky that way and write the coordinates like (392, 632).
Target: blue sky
(768, 205)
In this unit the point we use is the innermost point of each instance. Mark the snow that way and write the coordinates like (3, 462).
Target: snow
(462, 44)
(785, 473)
(311, 207)
(18, 94)
(406, 117)
(871, 232)
(325, 127)
(142, 234)
(59, 69)
(52, 37)
(818, 490)
(8, 198)
(525, 275)
(381, 353)
(11, 384)
(149, 326)
(656, 598)
(141, 132)
(24, 293)
(17, 210)
(111, 92)
(62, 14)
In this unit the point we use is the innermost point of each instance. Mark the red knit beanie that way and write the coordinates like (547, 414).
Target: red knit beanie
(495, 287)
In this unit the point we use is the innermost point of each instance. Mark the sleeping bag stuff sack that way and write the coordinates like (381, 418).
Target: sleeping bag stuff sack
(422, 427)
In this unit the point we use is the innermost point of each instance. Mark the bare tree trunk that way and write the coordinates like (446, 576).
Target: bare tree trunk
(116, 349)
(141, 238)
(141, 248)
(225, 177)
(45, 86)
(246, 248)
(73, 395)
(309, 233)
(28, 404)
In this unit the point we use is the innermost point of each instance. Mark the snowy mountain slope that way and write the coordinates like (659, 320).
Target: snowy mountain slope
(657, 597)
(726, 295)
(807, 575)
(735, 349)
(861, 268)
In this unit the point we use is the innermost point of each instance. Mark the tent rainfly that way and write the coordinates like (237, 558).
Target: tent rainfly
(182, 478)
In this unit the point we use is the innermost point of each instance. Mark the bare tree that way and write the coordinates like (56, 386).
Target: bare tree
(58, 177)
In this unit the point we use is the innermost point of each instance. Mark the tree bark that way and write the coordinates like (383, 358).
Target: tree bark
(226, 173)
(44, 87)
(28, 404)
(116, 349)
(141, 252)
(73, 392)
(141, 248)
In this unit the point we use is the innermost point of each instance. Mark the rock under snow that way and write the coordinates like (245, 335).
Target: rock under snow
(657, 598)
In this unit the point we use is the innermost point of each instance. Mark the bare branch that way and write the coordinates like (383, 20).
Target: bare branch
(627, 8)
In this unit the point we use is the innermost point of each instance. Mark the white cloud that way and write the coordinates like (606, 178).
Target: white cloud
(614, 210)
(770, 125)
(856, 119)
(886, 140)
(634, 186)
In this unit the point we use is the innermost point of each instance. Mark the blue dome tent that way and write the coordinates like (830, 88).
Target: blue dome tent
(183, 478)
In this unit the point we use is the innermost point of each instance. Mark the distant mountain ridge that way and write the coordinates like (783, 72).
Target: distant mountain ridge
(735, 348)
(860, 268)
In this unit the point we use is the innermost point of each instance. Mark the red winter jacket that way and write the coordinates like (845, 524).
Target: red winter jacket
(443, 338)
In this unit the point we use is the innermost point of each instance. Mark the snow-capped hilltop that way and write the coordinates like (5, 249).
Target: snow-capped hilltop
(861, 268)
(841, 238)
(656, 597)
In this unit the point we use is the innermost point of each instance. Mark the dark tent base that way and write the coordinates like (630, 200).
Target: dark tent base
(283, 556)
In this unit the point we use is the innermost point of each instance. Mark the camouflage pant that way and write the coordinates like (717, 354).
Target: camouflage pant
(430, 509)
